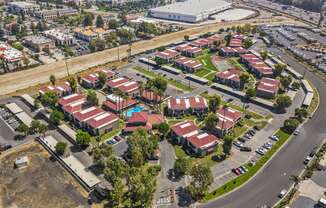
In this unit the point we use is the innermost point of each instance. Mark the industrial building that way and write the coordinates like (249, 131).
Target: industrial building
(190, 11)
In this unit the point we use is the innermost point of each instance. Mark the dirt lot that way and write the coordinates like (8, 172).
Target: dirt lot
(20, 80)
(42, 184)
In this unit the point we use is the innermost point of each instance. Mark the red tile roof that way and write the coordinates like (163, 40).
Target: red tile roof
(102, 120)
(116, 106)
(197, 102)
(228, 118)
(268, 85)
(129, 87)
(143, 119)
(185, 129)
(235, 42)
(214, 38)
(178, 103)
(88, 113)
(188, 62)
(71, 99)
(232, 74)
(239, 36)
(166, 54)
(91, 78)
(62, 88)
(203, 140)
(200, 42)
(74, 107)
(116, 82)
(109, 73)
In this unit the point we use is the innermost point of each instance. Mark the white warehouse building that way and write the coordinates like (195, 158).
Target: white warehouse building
(190, 11)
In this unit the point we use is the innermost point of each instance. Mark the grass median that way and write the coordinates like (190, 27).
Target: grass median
(252, 170)
(170, 81)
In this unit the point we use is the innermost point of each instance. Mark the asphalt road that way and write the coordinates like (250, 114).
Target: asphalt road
(264, 188)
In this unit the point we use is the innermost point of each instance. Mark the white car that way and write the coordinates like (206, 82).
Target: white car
(307, 160)
(260, 151)
(282, 193)
(238, 144)
(274, 138)
(296, 132)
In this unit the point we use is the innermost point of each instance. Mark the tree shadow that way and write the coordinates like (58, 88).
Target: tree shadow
(184, 197)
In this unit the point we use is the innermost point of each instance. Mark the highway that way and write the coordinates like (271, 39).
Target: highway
(265, 186)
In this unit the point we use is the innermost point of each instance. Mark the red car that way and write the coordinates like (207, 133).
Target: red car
(236, 171)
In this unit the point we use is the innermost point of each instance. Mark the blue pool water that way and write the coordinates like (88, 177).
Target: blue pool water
(134, 110)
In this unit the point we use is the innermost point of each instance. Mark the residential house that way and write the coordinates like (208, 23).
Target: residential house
(228, 118)
(229, 51)
(188, 64)
(168, 55)
(90, 81)
(230, 77)
(181, 131)
(150, 97)
(188, 50)
(70, 99)
(267, 87)
(180, 106)
(142, 119)
(60, 89)
(201, 144)
(72, 108)
(116, 104)
(103, 123)
(81, 117)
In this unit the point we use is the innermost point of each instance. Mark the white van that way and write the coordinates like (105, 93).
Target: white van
(322, 203)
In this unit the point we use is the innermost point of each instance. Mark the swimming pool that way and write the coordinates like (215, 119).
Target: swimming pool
(134, 110)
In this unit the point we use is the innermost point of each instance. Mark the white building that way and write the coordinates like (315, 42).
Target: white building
(10, 54)
(59, 37)
(190, 11)
(23, 7)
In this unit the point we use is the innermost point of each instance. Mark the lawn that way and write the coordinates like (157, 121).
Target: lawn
(314, 102)
(207, 62)
(207, 160)
(252, 170)
(170, 81)
(110, 134)
(210, 76)
(202, 72)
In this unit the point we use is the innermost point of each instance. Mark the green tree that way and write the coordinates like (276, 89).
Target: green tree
(60, 148)
(92, 45)
(264, 54)
(247, 43)
(88, 20)
(141, 186)
(52, 79)
(290, 125)
(296, 85)
(182, 166)
(159, 61)
(250, 93)
(100, 44)
(286, 81)
(42, 129)
(227, 145)
(83, 138)
(244, 79)
(18, 46)
(35, 124)
(115, 169)
(283, 101)
(49, 98)
(73, 83)
(113, 24)
(56, 117)
(186, 37)
(102, 78)
(101, 154)
(99, 21)
(202, 178)
(23, 128)
(164, 129)
(301, 113)
(141, 147)
(92, 97)
(116, 195)
(279, 68)
(214, 102)
(211, 121)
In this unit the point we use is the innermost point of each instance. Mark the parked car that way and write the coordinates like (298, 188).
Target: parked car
(282, 193)
(4, 147)
(238, 144)
(245, 149)
(117, 138)
(274, 137)
(260, 151)
(296, 132)
(242, 140)
(307, 160)
(236, 171)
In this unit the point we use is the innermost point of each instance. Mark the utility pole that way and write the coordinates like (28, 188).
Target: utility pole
(67, 66)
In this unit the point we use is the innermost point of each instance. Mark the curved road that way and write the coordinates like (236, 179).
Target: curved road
(264, 188)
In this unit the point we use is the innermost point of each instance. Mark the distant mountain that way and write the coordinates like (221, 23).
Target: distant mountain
(310, 5)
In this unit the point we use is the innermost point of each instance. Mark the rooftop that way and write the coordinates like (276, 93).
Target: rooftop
(37, 39)
(191, 7)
